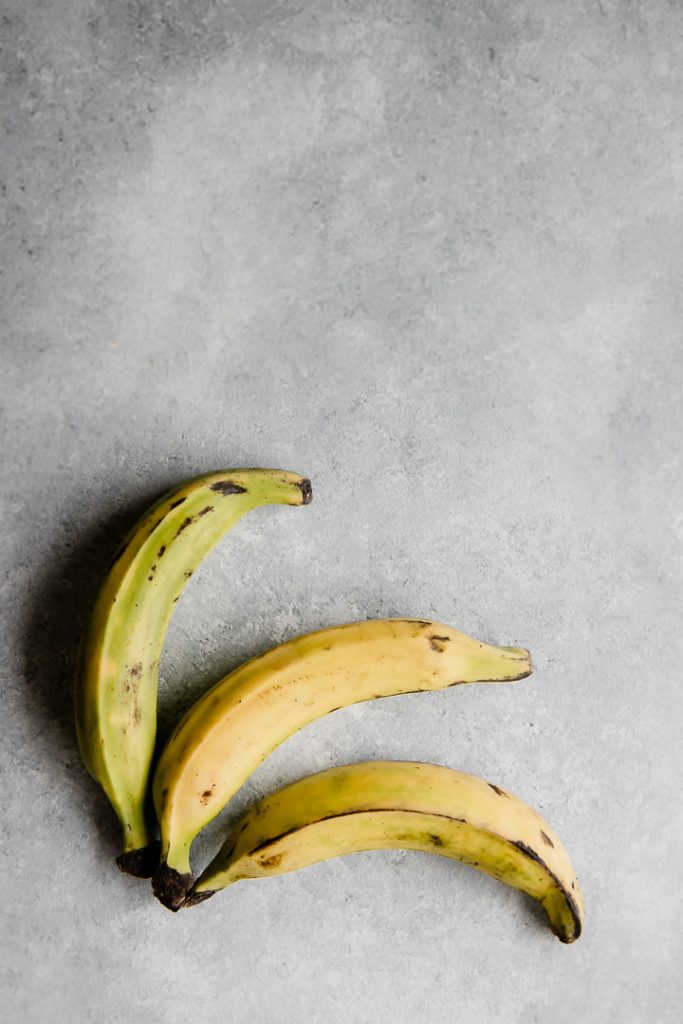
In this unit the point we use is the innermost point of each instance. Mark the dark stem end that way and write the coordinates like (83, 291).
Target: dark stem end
(142, 862)
(193, 898)
(170, 886)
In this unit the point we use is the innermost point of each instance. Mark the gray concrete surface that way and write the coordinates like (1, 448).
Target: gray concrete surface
(430, 254)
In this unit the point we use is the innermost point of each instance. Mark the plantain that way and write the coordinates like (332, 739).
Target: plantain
(406, 805)
(232, 728)
(116, 685)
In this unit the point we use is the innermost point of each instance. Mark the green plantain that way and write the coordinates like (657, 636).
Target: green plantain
(116, 685)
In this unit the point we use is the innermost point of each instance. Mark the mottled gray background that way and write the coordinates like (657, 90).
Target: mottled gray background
(430, 254)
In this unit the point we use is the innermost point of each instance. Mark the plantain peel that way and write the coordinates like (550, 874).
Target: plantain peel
(402, 805)
(116, 684)
(236, 724)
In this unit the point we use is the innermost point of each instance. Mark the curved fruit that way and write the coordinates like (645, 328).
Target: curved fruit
(407, 805)
(232, 728)
(116, 685)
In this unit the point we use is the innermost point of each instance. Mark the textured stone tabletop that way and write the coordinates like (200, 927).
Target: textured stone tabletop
(428, 254)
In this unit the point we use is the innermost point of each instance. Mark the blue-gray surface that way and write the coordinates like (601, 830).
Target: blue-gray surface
(429, 254)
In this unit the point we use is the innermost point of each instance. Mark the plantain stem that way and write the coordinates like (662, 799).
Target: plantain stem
(143, 862)
(170, 886)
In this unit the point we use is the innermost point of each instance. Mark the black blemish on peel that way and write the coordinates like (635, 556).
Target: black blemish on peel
(496, 789)
(523, 848)
(158, 523)
(226, 487)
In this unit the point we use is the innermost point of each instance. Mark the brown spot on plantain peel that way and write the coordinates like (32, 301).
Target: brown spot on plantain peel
(184, 525)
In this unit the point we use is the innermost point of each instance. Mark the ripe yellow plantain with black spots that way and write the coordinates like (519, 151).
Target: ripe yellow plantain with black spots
(381, 805)
(116, 685)
(237, 723)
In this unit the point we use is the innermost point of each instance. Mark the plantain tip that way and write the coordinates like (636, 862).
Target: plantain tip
(577, 921)
(523, 657)
(304, 486)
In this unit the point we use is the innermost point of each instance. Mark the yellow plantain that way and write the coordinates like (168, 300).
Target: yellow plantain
(232, 728)
(402, 804)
